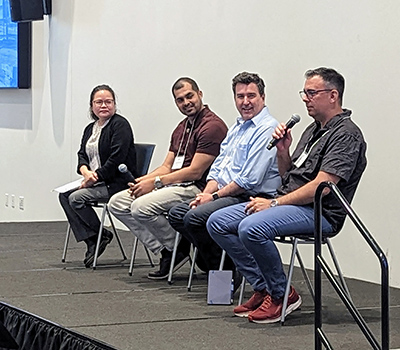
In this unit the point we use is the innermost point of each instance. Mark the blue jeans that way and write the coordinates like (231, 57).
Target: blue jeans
(249, 240)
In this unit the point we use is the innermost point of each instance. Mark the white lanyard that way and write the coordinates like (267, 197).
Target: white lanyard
(178, 161)
(306, 152)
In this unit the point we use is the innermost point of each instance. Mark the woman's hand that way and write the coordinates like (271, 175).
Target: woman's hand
(89, 178)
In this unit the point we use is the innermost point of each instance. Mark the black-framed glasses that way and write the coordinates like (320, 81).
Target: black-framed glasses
(99, 103)
(310, 94)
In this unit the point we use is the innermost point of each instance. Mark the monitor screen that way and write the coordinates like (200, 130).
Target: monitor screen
(15, 50)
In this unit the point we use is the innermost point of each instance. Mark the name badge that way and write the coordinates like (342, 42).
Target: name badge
(178, 162)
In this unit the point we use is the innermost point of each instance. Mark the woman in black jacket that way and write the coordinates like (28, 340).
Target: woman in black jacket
(106, 143)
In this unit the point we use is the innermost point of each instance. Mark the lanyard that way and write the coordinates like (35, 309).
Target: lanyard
(309, 147)
(307, 151)
(183, 136)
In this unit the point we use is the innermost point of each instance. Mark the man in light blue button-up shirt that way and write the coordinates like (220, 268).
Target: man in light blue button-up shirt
(244, 158)
(243, 169)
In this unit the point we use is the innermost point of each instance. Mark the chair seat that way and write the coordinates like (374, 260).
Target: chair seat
(144, 153)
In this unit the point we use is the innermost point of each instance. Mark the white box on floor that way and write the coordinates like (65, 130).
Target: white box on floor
(219, 287)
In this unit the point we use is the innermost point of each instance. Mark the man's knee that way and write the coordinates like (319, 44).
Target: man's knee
(250, 233)
(142, 210)
(177, 213)
(120, 202)
(194, 219)
(215, 225)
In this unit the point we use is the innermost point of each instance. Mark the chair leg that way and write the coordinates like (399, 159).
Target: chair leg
(133, 257)
(66, 243)
(338, 270)
(304, 272)
(296, 253)
(171, 269)
(289, 279)
(116, 233)
(134, 249)
(242, 288)
(221, 264)
(149, 256)
(96, 253)
(192, 267)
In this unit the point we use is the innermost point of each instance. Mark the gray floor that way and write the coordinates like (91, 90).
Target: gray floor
(137, 313)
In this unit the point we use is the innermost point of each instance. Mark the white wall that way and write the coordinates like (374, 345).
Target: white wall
(141, 47)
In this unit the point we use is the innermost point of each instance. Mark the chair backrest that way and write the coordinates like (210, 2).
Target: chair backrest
(144, 153)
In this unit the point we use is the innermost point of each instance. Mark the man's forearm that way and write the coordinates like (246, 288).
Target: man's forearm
(284, 162)
(161, 170)
(181, 175)
(211, 187)
(231, 189)
(306, 193)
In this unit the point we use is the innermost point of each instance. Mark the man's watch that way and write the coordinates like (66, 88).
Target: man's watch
(215, 196)
(158, 183)
(274, 203)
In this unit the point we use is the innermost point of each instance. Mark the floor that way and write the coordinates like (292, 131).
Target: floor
(133, 312)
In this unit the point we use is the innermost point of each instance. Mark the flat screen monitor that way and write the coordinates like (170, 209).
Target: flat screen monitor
(15, 51)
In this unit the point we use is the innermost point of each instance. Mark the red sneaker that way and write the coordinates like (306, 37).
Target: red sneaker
(271, 310)
(252, 304)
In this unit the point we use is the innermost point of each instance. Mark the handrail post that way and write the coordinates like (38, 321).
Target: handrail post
(318, 261)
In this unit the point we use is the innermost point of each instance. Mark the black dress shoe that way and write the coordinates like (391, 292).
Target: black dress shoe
(91, 248)
(165, 264)
(106, 238)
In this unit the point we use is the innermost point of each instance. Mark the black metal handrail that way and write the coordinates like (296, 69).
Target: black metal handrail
(320, 264)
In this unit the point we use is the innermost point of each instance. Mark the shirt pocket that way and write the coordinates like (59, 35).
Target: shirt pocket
(239, 156)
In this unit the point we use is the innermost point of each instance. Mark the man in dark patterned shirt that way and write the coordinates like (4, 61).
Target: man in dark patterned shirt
(331, 149)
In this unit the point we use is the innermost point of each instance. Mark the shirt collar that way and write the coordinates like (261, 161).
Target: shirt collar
(198, 117)
(256, 119)
(335, 120)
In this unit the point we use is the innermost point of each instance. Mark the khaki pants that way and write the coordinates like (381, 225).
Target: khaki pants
(145, 216)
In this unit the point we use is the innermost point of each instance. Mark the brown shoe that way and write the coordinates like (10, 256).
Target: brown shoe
(252, 304)
(271, 309)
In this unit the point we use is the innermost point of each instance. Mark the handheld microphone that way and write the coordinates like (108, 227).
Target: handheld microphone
(294, 119)
(124, 170)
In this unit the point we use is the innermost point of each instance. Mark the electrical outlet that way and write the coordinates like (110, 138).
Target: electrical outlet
(6, 203)
(13, 201)
(21, 202)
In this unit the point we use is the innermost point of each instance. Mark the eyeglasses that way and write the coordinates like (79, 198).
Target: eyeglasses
(99, 103)
(310, 94)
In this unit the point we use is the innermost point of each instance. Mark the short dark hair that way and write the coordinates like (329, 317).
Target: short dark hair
(248, 78)
(96, 89)
(179, 84)
(332, 79)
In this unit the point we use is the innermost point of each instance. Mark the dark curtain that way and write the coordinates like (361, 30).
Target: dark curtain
(32, 332)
